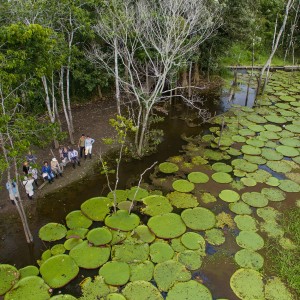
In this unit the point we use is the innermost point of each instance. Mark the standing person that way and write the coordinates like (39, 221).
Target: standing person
(28, 184)
(13, 191)
(25, 168)
(88, 144)
(34, 173)
(81, 145)
(55, 167)
(47, 173)
(73, 157)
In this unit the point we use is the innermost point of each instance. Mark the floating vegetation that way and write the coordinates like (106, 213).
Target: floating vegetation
(96, 208)
(229, 196)
(250, 240)
(168, 167)
(221, 167)
(198, 177)
(255, 199)
(245, 222)
(208, 198)
(289, 186)
(190, 259)
(273, 194)
(137, 193)
(9, 275)
(193, 241)
(223, 220)
(115, 272)
(272, 229)
(141, 290)
(141, 271)
(99, 236)
(249, 259)
(276, 290)
(183, 186)
(52, 232)
(160, 252)
(221, 177)
(198, 218)
(240, 208)
(144, 234)
(156, 205)
(76, 219)
(215, 236)
(182, 200)
(122, 220)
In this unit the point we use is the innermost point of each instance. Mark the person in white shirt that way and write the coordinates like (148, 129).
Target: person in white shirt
(73, 157)
(28, 184)
(55, 167)
(34, 173)
(88, 144)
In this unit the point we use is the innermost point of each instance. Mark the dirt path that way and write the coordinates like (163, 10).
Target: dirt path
(90, 119)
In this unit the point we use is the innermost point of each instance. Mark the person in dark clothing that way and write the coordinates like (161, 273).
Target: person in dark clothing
(25, 168)
(81, 145)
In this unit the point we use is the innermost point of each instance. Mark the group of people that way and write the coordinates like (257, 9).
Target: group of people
(52, 170)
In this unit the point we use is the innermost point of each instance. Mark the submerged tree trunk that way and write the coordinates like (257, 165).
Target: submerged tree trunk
(196, 74)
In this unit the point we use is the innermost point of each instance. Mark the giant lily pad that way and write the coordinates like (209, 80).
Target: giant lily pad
(183, 186)
(122, 220)
(144, 233)
(244, 165)
(96, 208)
(198, 177)
(273, 194)
(191, 259)
(79, 233)
(258, 160)
(276, 290)
(250, 150)
(248, 181)
(193, 241)
(240, 208)
(99, 236)
(255, 199)
(190, 290)
(182, 200)
(247, 284)
(29, 271)
(160, 252)
(63, 297)
(59, 270)
(259, 175)
(52, 232)
(289, 186)
(141, 271)
(229, 196)
(245, 222)
(291, 142)
(198, 218)
(250, 240)
(215, 236)
(130, 251)
(118, 195)
(269, 214)
(9, 275)
(58, 249)
(221, 167)
(115, 272)
(76, 219)
(279, 166)
(96, 289)
(89, 257)
(168, 167)
(31, 287)
(255, 118)
(168, 272)
(71, 243)
(276, 119)
(221, 177)
(137, 193)
(167, 226)
(249, 259)
(293, 128)
(142, 290)
(271, 154)
(272, 229)
(156, 205)
(287, 151)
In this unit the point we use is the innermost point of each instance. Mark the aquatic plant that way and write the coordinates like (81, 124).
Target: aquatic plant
(156, 205)
(183, 186)
(122, 220)
(115, 272)
(182, 200)
(9, 275)
(52, 232)
(168, 167)
(249, 259)
(96, 208)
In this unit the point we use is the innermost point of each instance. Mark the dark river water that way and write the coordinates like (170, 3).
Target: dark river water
(54, 207)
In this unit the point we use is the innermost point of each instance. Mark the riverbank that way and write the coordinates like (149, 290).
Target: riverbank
(91, 119)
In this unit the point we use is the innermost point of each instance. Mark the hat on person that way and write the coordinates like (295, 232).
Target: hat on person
(54, 159)
(25, 178)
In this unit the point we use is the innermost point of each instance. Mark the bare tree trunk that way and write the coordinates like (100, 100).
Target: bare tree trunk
(190, 81)
(62, 92)
(68, 97)
(99, 91)
(251, 75)
(117, 76)
(196, 74)
(184, 80)
(268, 63)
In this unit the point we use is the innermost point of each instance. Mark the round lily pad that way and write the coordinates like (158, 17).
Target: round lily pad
(271, 127)
(122, 220)
(52, 232)
(272, 181)
(289, 186)
(99, 236)
(79, 233)
(71, 243)
(229, 196)
(254, 142)
(273, 194)
(247, 284)
(246, 132)
(141, 290)
(269, 214)
(160, 252)
(221, 177)
(31, 287)
(89, 257)
(258, 160)
(293, 128)
(245, 222)
(279, 166)
(63, 297)
(168, 272)
(130, 251)
(118, 195)
(240, 208)
(168, 167)
(167, 226)
(190, 290)
(255, 199)
(96, 208)
(9, 275)
(248, 181)
(250, 150)
(221, 167)
(215, 236)
(250, 240)
(117, 236)
(291, 142)
(141, 271)
(287, 244)
(259, 175)
(59, 270)
(287, 151)
(198, 218)
(144, 234)
(182, 200)
(275, 289)
(193, 241)
(156, 205)
(198, 177)
(256, 128)
(137, 193)
(246, 258)
(115, 272)
(271, 154)
(191, 259)
(255, 118)
(276, 119)
(272, 229)
(28, 271)
(58, 249)
(124, 205)
(183, 186)
(244, 165)
(76, 219)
